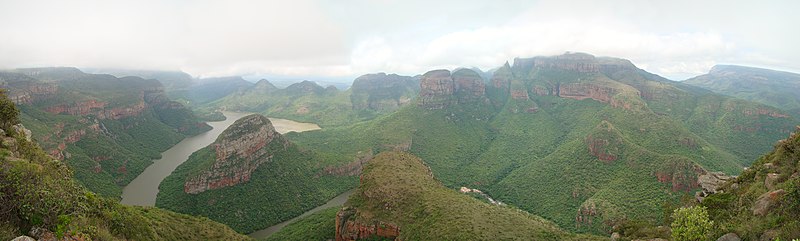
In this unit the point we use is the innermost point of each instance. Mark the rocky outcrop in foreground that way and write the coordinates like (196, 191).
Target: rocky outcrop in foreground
(238, 151)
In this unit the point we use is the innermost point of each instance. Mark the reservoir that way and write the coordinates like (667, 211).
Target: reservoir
(143, 190)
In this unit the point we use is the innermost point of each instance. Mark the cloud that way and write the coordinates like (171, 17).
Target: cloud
(673, 54)
(676, 39)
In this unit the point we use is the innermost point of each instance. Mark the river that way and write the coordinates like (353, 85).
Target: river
(337, 201)
(143, 190)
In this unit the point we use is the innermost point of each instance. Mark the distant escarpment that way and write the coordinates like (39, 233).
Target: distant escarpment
(238, 152)
(383, 93)
(591, 143)
(107, 129)
(398, 198)
(252, 177)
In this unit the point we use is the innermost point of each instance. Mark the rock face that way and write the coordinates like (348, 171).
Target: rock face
(766, 202)
(604, 143)
(580, 91)
(348, 228)
(239, 150)
(438, 89)
(729, 237)
(382, 92)
(501, 78)
(469, 86)
(710, 182)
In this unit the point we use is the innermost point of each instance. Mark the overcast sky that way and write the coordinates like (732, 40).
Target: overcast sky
(340, 40)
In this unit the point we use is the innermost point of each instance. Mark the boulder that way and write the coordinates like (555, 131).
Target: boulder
(771, 180)
(710, 182)
(729, 237)
(615, 236)
(19, 128)
(23, 238)
(766, 201)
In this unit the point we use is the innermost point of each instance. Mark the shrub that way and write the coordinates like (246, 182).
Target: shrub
(691, 223)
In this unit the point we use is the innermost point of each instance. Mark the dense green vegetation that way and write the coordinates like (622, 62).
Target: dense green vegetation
(691, 224)
(775, 88)
(318, 226)
(771, 185)
(39, 197)
(651, 135)
(397, 188)
(291, 182)
(107, 146)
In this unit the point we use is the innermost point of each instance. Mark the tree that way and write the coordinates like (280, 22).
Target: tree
(9, 114)
(691, 224)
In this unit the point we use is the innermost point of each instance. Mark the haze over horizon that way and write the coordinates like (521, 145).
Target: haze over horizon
(328, 40)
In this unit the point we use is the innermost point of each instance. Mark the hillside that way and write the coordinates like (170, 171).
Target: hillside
(370, 95)
(763, 203)
(107, 129)
(587, 142)
(40, 198)
(775, 88)
(252, 177)
(398, 197)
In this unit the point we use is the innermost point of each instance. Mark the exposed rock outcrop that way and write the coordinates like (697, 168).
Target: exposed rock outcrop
(29, 93)
(604, 142)
(766, 202)
(710, 182)
(436, 89)
(239, 150)
(501, 78)
(439, 89)
(729, 237)
(469, 86)
(349, 228)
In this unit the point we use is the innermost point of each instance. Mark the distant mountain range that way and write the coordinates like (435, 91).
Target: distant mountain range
(775, 88)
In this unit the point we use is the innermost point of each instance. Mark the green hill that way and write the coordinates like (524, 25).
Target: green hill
(399, 197)
(107, 129)
(775, 88)
(584, 141)
(252, 177)
(40, 198)
(371, 95)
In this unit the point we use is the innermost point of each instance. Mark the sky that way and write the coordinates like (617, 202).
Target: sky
(340, 40)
